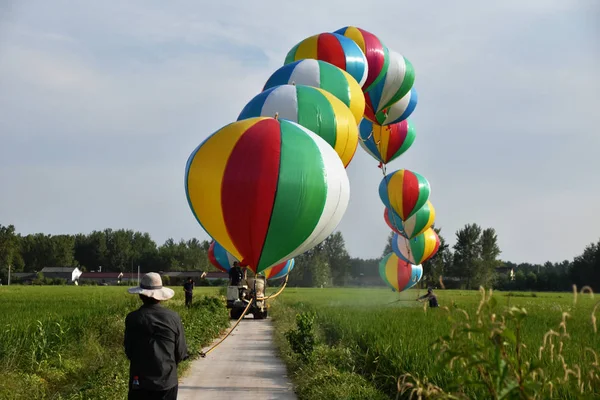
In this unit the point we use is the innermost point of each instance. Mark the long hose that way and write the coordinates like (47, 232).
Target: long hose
(204, 354)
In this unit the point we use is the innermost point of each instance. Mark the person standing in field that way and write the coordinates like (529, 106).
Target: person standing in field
(154, 343)
(235, 274)
(431, 297)
(188, 288)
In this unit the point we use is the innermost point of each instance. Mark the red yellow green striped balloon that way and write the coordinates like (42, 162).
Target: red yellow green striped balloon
(405, 192)
(376, 53)
(280, 271)
(314, 109)
(398, 273)
(267, 190)
(419, 222)
(321, 74)
(386, 143)
(335, 49)
(417, 250)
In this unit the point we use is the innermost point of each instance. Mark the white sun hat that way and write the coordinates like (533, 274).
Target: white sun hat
(151, 286)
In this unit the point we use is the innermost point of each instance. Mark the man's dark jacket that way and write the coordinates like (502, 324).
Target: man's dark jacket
(155, 345)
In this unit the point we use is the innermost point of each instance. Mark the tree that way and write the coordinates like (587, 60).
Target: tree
(119, 252)
(337, 258)
(388, 247)
(466, 253)
(585, 269)
(489, 258)
(437, 265)
(8, 249)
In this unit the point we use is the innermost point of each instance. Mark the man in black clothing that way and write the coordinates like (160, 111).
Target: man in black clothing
(235, 274)
(188, 288)
(432, 298)
(154, 343)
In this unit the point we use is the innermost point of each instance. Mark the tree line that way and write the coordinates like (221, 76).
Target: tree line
(474, 260)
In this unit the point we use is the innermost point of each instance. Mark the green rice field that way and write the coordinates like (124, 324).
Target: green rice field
(364, 343)
(65, 342)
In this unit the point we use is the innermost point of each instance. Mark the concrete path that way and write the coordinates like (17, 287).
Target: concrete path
(244, 366)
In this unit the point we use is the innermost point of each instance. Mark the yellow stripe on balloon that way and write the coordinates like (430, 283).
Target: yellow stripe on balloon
(346, 137)
(431, 219)
(430, 241)
(307, 48)
(391, 273)
(356, 36)
(357, 97)
(395, 185)
(206, 176)
(381, 134)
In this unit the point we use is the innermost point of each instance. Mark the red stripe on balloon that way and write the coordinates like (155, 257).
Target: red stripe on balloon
(410, 192)
(369, 114)
(403, 271)
(397, 134)
(212, 259)
(375, 56)
(329, 49)
(249, 186)
(277, 269)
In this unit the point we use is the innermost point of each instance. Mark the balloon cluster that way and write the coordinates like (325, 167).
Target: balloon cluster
(273, 185)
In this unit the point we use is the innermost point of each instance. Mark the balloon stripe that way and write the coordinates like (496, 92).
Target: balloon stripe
(345, 127)
(407, 83)
(393, 81)
(329, 49)
(305, 49)
(383, 269)
(249, 187)
(292, 200)
(291, 55)
(204, 171)
(254, 108)
(408, 130)
(410, 194)
(305, 72)
(396, 136)
(375, 57)
(370, 148)
(316, 113)
(337, 84)
(280, 101)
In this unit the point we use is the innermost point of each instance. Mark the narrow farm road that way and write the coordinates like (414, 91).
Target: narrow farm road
(244, 366)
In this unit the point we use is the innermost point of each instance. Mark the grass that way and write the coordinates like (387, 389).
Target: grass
(65, 342)
(365, 343)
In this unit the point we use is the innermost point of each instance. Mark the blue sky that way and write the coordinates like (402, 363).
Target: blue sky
(101, 103)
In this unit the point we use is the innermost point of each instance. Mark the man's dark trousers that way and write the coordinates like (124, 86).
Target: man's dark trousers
(188, 300)
(141, 394)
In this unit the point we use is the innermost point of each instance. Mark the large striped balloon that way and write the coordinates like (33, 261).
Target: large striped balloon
(335, 49)
(397, 112)
(417, 250)
(324, 76)
(398, 273)
(386, 143)
(314, 109)
(393, 221)
(280, 271)
(267, 190)
(419, 222)
(375, 51)
(398, 81)
(219, 257)
(404, 191)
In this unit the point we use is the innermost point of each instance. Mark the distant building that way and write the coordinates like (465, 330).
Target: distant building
(508, 271)
(213, 276)
(110, 278)
(23, 277)
(70, 274)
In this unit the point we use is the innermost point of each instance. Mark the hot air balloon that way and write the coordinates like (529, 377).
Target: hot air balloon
(404, 191)
(375, 51)
(267, 190)
(398, 81)
(314, 109)
(419, 222)
(386, 143)
(335, 49)
(219, 257)
(397, 112)
(280, 271)
(324, 76)
(398, 273)
(417, 250)
(393, 221)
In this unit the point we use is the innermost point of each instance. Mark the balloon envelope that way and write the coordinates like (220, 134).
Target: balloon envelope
(417, 250)
(404, 191)
(280, 270)
(219, 257)
(393, 221)
(397, 112)
(376, 53)
(314, 109)
(397, 82)
(419, 222)
(398, 273)
(386, 143)
(322, 75)
(267, 190)
(335, 49)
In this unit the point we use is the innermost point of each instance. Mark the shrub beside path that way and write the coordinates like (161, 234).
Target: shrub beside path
(244, 366)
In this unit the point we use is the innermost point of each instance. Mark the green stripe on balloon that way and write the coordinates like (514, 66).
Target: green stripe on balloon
(311, 102)
(382, 265)
(286, 231)
(289, 58)
(336, 82)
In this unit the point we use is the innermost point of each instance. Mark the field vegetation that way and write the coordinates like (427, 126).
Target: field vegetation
(477, 345)
(66, 342)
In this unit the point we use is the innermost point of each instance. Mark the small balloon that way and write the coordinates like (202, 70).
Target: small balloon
(419, 222)
(417, 250)
(280, 271)
(335, 49)
(386, 143)
(397, 112)
(398, 273)
(219, 257)
(405, 192)
(322, 75)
